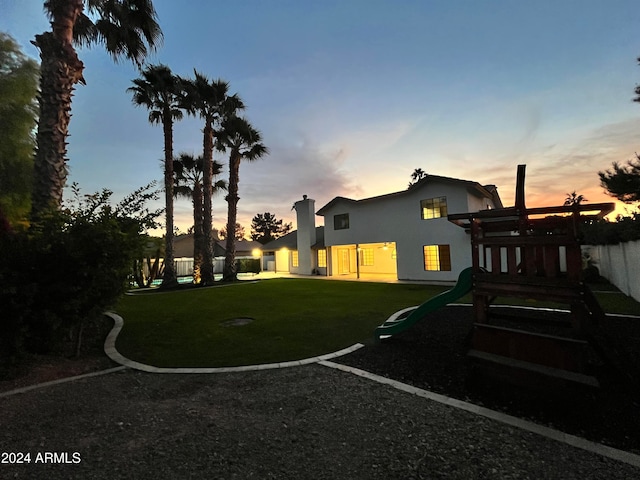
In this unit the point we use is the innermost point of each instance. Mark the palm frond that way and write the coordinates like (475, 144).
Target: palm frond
(241, 138)
(126, 28)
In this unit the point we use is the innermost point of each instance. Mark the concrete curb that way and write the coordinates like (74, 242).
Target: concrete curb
(113, 354)
(62, 380)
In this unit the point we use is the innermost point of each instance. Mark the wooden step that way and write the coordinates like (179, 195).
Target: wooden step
(549, 350)
(529, 374)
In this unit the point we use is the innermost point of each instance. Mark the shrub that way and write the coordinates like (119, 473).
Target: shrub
(248, 265)
(69, 268)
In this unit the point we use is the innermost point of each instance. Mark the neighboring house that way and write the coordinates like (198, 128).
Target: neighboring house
(403, 235)
(183, 252)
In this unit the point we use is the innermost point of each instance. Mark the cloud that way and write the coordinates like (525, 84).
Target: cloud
(273, 183)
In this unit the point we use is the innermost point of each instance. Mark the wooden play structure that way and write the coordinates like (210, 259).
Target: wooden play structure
(533, 254)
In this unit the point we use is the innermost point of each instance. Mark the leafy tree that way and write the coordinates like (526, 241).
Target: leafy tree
(265, 228)
(239, 232)
(68, 268)
(188, 183)
(160, 91)
(126, 28)
(574, 199)
(18, 114)
(623, 181)
(417, 175)
(209, 100)
(244, 143)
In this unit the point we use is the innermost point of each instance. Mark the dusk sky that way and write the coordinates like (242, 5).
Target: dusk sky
(352, 95)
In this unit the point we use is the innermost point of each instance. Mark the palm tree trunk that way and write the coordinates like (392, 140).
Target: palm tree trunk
(198, 233)
(207, 193)
(169, 279)
(232, 198)
(60, 70)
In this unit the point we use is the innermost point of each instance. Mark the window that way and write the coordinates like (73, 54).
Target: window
(322, 258)
(341, 222)
(366, 257)
(294, 258)
(433, 207)
(437, 258)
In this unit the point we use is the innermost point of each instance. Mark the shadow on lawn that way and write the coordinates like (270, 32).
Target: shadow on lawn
(432, 355)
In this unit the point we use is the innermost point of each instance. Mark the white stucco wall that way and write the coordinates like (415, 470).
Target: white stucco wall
(619, 264)
(397, 218)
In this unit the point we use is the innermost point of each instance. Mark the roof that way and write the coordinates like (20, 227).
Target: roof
(488, 191)
(290, 241)
(183, 247)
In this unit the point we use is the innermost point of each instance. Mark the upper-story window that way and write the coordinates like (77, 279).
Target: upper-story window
(341, 221)
(433, 207)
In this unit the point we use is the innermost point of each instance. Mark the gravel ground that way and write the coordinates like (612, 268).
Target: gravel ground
(307, 422)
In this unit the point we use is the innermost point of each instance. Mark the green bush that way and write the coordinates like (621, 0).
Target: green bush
(67, 269)
(248, 265)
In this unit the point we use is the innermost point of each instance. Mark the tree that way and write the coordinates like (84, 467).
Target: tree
(417, 175)
(210, 101)
(188, 183)
(574, 199)
(243, 143)
(239, 232)
(126, 28)
(623, 181)
(265, 228)
(18, 115)
(159, 91)
(94, 243)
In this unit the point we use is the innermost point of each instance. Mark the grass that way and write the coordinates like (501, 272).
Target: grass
(292, 319)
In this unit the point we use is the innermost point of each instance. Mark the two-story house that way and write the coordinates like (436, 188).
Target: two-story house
(403, 235)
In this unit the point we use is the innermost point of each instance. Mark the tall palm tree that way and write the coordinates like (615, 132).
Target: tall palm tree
(209, 100)
(159, 91)
(188, 183)
(244, 143)
(126, 28)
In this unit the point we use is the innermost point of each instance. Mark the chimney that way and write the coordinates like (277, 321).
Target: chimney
(306, 220)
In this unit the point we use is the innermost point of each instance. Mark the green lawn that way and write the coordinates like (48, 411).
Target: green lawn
(293, 319)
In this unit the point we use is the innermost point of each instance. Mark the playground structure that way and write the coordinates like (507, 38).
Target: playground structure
(532, 254)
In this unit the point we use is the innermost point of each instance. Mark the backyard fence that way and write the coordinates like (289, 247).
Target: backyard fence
(619, 263)
(184, 266)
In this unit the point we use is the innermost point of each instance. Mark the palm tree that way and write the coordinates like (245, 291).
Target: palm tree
(126, 28)
(159, 90)
(188, 183)
(417, 175)
(209, 99)
(573, 199)
(244, 143)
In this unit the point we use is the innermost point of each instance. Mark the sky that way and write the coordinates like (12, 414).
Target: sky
(352, 95)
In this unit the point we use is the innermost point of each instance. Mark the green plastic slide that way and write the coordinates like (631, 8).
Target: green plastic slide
(397, 323)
